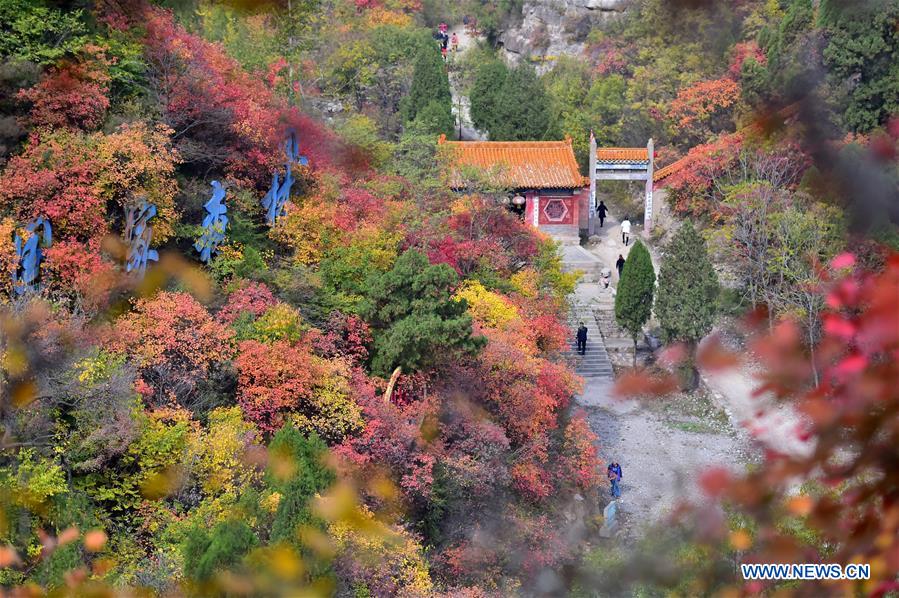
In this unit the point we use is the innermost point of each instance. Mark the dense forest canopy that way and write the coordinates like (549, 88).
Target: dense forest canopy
(366, 390)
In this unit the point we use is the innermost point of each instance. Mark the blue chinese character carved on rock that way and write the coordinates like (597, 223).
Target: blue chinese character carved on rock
(30, 255)
(139, 234)
(276, 199)
(215, 223)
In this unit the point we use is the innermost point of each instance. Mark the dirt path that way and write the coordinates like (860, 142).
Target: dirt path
(660, 463)
(774, 425)
(662, 448)
(461, 101)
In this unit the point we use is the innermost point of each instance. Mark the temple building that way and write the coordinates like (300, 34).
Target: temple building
(543, 179)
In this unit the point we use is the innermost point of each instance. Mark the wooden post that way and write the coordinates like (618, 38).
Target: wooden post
(647, 204)
(591, 214)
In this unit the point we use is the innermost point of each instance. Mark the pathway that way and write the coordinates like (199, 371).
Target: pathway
(661, 463)
(460, 101)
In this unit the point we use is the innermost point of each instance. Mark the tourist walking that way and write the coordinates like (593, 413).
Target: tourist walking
(601, 212)
(626, 231)
(619, 265)
(455, 42)
(614, 473)
(582, 339)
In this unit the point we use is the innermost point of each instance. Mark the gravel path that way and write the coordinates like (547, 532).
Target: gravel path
(660, 463)
(662, 447)
(469, 132)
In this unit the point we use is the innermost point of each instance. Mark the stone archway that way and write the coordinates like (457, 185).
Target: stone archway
(622, 164)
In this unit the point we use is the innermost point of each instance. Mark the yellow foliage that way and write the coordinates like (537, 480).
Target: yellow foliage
(489, 308)
(8, 258)
(382, 550)
(139, 163)
(279, 322)
(331, 413)
(216, 452)
(526, 282)
(306, 229)
(382, 16)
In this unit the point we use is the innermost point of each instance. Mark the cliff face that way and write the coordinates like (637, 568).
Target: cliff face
(552, 28)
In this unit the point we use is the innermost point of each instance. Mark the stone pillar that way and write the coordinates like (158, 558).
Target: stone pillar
(536, 203)
(591, 199)
(647, 202)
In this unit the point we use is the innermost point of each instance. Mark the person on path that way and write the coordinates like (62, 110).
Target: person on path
(614, 473)
(626, 231)
(455, 42)
(601, 212)
(619, 265)
(582, 339)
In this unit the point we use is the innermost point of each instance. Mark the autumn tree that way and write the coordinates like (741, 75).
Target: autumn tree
(174, 342)
(688, 292)
(633, 301)
(415, 320)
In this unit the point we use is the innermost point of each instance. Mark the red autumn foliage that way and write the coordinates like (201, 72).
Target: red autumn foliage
(344, 335)
(392, 438)
(174, 343)
(55, 177)
(72, 94)
(226, 117)
(579, 463)
(849, 417)
(702, 108)
(741, 52)
(253, 297)
(273, 379)
(79, 267)
(691, 187)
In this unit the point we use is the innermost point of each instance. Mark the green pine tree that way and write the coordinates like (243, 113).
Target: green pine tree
(523, 111)
(414, 318)
(429, 94)
(486, 93)
(688, 291)
(633, 301)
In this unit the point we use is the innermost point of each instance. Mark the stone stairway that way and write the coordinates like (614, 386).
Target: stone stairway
(595, 364)
(618, 342)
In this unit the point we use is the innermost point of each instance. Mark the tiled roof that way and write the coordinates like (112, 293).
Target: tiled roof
(524, 164)
(622, 154)
(662, 173)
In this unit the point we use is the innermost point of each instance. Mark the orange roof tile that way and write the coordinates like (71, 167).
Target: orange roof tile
(622, 154)
(675, 166)
(524, 164)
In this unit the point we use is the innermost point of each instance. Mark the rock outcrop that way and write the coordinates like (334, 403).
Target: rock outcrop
(552, 28)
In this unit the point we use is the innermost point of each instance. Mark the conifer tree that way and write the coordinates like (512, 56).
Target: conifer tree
(486, 93)
(633, 301)
(523, 109)
(688, 290)
(430, 91)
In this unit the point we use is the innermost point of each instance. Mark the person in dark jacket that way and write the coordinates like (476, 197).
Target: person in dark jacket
(614, 473)
(582, 339)
(601, 211)
(619, 265)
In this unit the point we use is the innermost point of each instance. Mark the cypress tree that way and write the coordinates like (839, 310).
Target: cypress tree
(486, 92)
(523, 110)
(688, 290)
(633, 301)
(430, 85)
